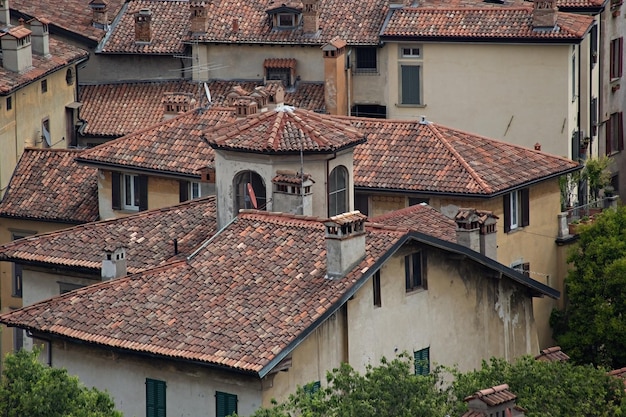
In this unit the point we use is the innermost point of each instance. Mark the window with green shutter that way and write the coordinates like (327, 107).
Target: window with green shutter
(155, 398)
(312, 387)
(422, 361)
(226, 404)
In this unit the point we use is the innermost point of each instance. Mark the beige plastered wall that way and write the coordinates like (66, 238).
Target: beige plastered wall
(245, 62)
(162, 192)
(535, 243)
(190, 390)
(21, 126)
(517, 93)
(7, 301)
(321, 351)
(229, 164)
(465, 315)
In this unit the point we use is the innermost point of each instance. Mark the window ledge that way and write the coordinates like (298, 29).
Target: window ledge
(127, 211)
(366, 72)
(615, 79)
(415, 291)
(517, 229)
(419, 106)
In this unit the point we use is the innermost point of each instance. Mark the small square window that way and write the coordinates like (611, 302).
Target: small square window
(366, 59)
(44, 86)
(286, 20)
(411, 52)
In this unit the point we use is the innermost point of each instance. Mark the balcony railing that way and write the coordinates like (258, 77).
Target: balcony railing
(575, 215)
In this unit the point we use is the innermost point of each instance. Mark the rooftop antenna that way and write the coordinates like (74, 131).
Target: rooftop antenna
(207, 92)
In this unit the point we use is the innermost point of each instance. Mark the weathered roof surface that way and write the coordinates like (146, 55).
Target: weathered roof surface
(355, 25)
(568, 4)
(175, 146)
(430, 158)
(286, 130)
(169, 25)
(147, 236)
(420, 218)
(118, 109)
(48, 184)
(61, 55)
(493, 396)
(222, 307)
(481, 23)
(552, 354)
(74, 16)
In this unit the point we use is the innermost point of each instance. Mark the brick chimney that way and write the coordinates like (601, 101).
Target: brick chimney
(17, 55)
(544, 14)
(5, 13)
(494, 401)
(40, 36)
(335, 90)
(292, 192)
(143, 30)
(199, 16)
(245, 106)
(476, 229)
(100, 14)
(113, 263)
(176, 103)
(310, 16)
(345, 243)
(276, 92)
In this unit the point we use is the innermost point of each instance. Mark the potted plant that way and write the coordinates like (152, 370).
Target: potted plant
(596, 173)
(573, 227)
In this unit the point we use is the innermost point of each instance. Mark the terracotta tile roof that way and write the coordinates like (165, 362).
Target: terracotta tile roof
(493, 396)
(174, 146)
(430, 158)
(569, 4)
(74, 16)
(420, 218)
(224, 309)
(279, 63)
(148, 237)
(552, 354)
(117, 109)
(291, 177)
(286, 130)
(169, 25)
(485, 23)
(620, 373)
(62, 55)
(356, 25)
(48, 184)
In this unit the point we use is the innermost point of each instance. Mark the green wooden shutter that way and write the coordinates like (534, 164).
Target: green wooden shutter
(410, 84)
(143, 193)
(183, 191)
(422, 361)
(312, 387)
(116, 191)
(226, 404)
(525, 203)
(155, 398)
(507, 212)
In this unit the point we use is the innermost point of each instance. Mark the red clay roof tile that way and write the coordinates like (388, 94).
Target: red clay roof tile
(552, 354)
(430, 158)
(420, 218)
(48, 184)
(148, 237)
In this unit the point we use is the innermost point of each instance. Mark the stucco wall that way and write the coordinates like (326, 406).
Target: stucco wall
(245, 62)
(464, 316)
(320, 352)
(517, 93)
(21, 126)
(162, 192)
(190, 391)
(229, 164)
(114, 68)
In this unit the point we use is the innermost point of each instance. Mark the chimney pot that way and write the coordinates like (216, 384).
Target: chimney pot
(113, 264)
(235, 25)
(345, 243)
(537, 146)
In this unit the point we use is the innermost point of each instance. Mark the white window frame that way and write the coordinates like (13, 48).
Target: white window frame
(195, 190)
(130, 199)
(515, 210)
(411, 51)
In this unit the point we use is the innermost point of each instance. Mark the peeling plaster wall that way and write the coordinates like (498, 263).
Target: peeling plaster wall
(464, 316)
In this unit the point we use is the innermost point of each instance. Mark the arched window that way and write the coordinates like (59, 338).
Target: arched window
(243, 199)
(338, 191)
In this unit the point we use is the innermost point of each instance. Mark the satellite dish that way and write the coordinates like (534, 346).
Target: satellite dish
(252, 196)
(207, 92)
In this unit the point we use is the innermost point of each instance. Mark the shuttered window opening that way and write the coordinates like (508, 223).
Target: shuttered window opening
(155, 398)
(410, 79)
(422, 361)
(226, 404)
(516, 209)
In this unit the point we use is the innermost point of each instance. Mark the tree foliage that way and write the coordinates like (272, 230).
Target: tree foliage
(546, 389)
(592, 328)
(29, 388)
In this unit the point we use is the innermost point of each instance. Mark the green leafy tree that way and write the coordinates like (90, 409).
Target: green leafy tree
(545, 389)
(388, 390)
(592, 328)
(29, 388)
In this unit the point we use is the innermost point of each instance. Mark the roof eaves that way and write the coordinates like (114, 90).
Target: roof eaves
(47, 219)
(135, 169)
(483, 39)
(290, 152)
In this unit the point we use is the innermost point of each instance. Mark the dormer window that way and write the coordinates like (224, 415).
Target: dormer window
(285, 16)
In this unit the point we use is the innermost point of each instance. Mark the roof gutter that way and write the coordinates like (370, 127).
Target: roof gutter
(137, 170)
